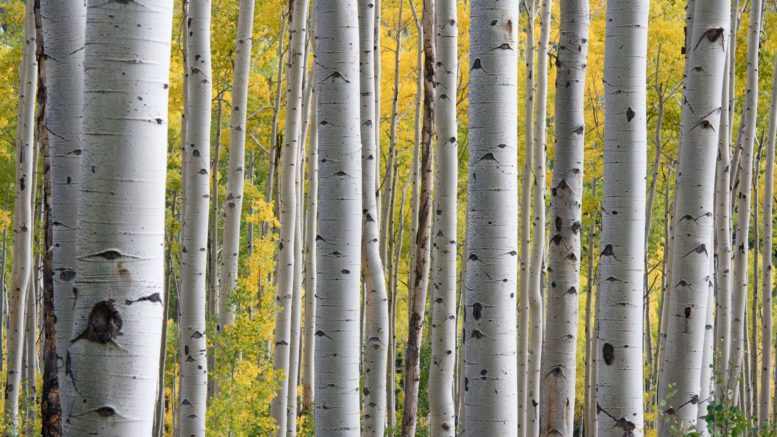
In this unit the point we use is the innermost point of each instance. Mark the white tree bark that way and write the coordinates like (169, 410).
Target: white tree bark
(376, 299)
(537, 265)
(296, 306)
(114, 349)
(723, 234)
(679, 383)
(525, 223)
(337, 348)
(559, 358)
(442, 413)
(490, 366)
(741, 279)
(23, 227)
(298, 11)
(64, 24)
(707, 389)
(230, 246)
(620, 301)
(193, 359)
(768, 211)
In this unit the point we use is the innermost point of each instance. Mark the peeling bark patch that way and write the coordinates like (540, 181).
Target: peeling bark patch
(104, 323)
(609, 353)
(630, 114)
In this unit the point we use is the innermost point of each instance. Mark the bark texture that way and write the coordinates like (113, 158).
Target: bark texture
(490, 387)
(559, 358)
(338, 242)
(113, 353)
(620, 301)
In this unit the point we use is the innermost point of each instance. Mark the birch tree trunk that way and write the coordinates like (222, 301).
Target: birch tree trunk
(537, 266)
(288, 205)
(490, 366)
(230, 246)
(114, 349)
(63, 25)
(740, 280)
(193, 357)
(559, 356)
(23, 227)
(296, 306)
(376, 300)
(525, 223)
(679, 383)
(766, 346)
(338, 243)
(311, 269)
(419, 282)
(442, 413)
(620, 301)
(723, 235)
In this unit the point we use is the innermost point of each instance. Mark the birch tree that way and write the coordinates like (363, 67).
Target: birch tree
(679, 383)
(230, 247)
(338, 242)
(444, 247)
(525, 231)
(63, 40)
(193, 359)
(723, 233)
(560, 350)
(620, 301)
(376, 300)
(22, 266)
(537, 266)
(766, 346)
(298, 13)
(490, 361)
(741, 279)
(114, 348)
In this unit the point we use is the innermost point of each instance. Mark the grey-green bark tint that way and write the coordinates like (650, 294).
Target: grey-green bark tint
(490, 393)
(338, 242)
(693, 218)
(560, 349)
(114, 350)
(620, 300)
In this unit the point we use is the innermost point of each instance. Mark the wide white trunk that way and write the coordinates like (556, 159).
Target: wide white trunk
(620, 301)
(442, 413)
(288, 207)
(741, 278)
(114, 349)
(230, 246)
(64, 24)
(679, 383)
(490, 367)
(768, 211)
(376, 300)
(337, 347)
(559, 358)
(23, 227)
